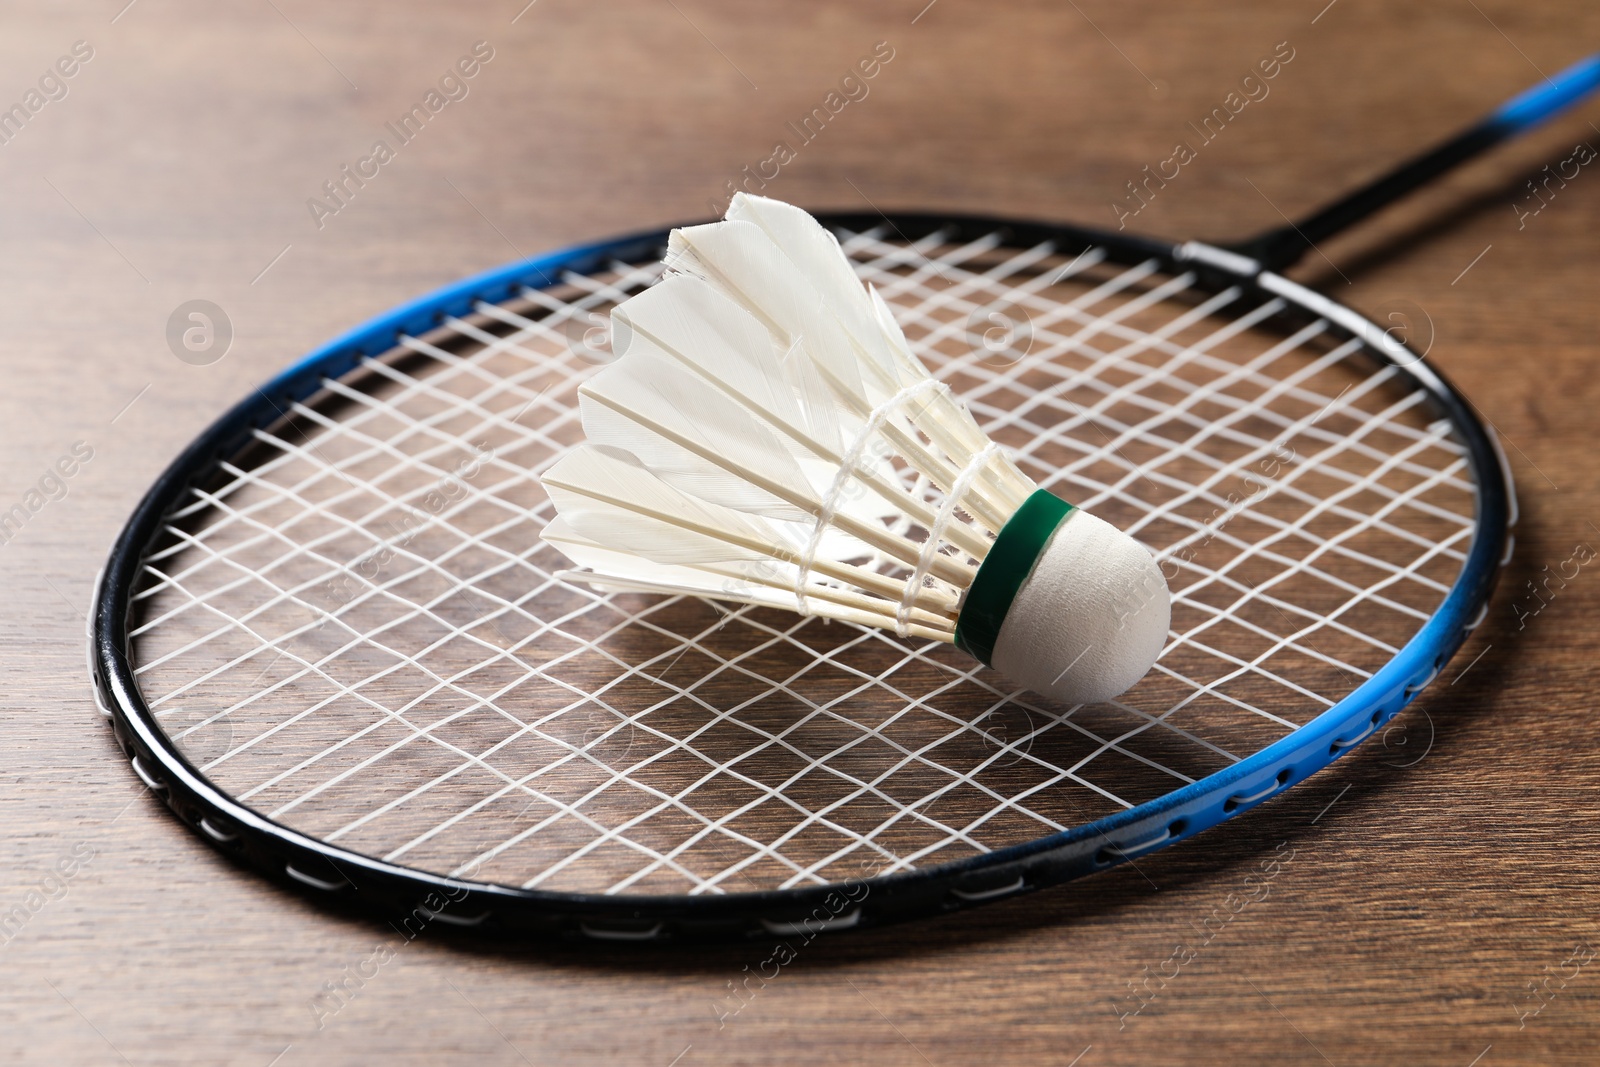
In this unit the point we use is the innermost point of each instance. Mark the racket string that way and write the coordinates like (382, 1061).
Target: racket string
(1166, 413)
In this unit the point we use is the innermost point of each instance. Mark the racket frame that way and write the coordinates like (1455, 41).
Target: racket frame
(367, 883)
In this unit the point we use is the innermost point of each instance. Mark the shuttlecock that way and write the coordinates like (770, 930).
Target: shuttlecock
(767, 436)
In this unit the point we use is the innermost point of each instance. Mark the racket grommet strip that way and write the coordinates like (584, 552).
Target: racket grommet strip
(842, 921)
(327, 885)
(1416, 687)
(972, 896)
(94, 673)
(1341, 744)
(1239, 800)
(1114, 852)
(612, 933)
(150, 780)
(454, 920)
(215, 832)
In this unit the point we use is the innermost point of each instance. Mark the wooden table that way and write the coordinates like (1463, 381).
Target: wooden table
(1421, 901)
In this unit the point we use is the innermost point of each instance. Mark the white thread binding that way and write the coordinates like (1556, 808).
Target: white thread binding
(930, 547)
(847, 471)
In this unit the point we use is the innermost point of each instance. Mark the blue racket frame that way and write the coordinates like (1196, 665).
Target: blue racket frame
(366, 882)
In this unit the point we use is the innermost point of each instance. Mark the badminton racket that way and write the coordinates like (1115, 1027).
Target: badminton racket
(331, 639)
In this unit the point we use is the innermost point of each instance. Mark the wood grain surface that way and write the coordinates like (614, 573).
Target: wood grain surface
(1422, 888)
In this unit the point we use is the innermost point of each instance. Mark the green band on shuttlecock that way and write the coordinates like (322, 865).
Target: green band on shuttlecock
(1007, 566)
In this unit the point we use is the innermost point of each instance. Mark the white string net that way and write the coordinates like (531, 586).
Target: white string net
(354, 629)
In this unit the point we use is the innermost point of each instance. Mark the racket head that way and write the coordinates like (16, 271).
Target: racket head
(1109, 352)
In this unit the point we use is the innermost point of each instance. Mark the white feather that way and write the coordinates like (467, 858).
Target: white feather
(687, 337)
(760, 584)
(814, 253)
(745, 380)
(743, 262)
(608, 497)
(689, 319)
(652, 407)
